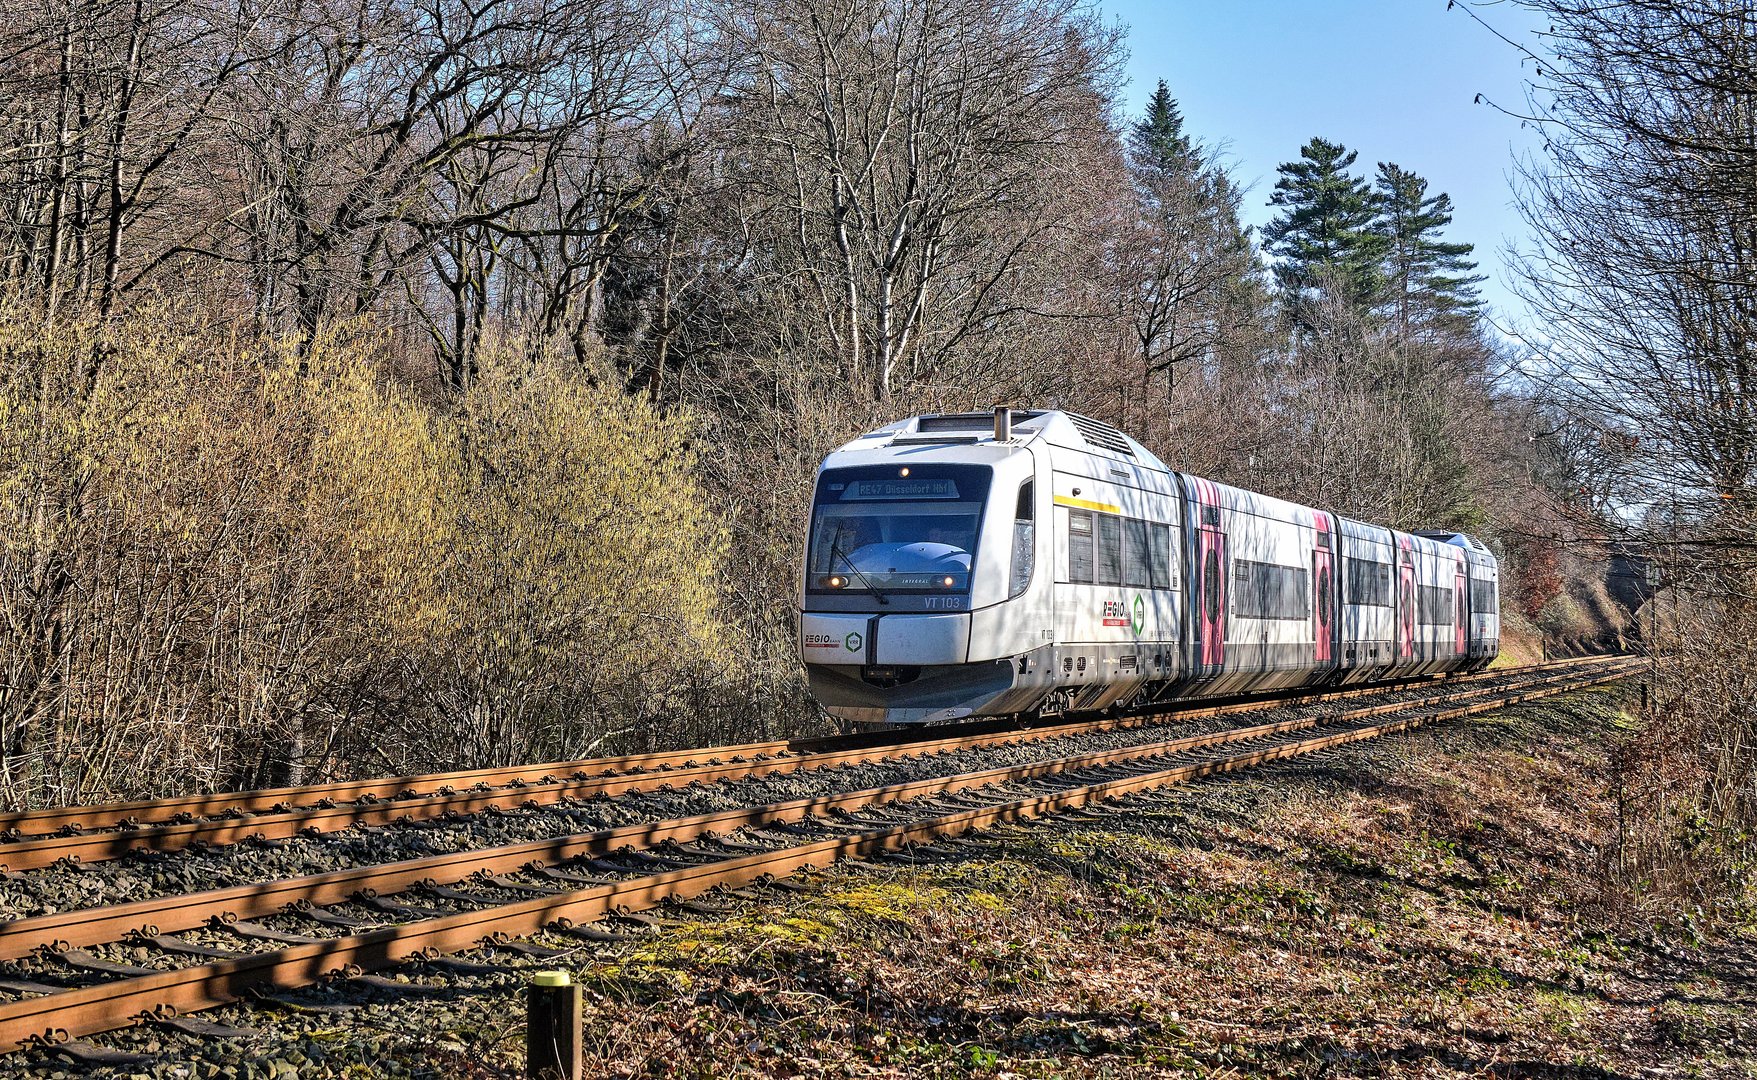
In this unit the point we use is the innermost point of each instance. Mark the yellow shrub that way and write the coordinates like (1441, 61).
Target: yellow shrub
(228, 562)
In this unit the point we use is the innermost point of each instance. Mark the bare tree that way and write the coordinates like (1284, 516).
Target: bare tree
(905, 160)
(1646, 202)
(1645, 276)
(112, 101)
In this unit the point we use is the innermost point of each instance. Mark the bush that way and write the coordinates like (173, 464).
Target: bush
(230, 562)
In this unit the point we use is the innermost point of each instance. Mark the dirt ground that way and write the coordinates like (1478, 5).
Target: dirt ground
(1429, 906)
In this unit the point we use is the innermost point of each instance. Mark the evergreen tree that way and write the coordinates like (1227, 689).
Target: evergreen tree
(1428, 280)
(1324, 237)
(1157, 142)
(1187, 265)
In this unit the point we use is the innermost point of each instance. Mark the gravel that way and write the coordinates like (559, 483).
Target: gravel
(141, 875)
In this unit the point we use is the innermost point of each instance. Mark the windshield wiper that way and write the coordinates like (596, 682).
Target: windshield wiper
(836, 552)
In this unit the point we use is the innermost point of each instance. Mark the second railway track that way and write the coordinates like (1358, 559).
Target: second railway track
(92, 834)
(293, 932)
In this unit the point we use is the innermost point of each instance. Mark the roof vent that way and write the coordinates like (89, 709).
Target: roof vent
(955, 422)
(1101, 435)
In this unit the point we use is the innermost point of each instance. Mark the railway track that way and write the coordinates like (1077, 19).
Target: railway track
(158, 960)
(89, 834)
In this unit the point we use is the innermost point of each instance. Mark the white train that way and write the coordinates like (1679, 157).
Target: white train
(1043, 562)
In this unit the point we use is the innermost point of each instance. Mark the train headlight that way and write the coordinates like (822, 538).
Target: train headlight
(836, 581)
(948, 581)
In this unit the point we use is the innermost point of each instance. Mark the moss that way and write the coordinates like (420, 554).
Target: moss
(888, 900)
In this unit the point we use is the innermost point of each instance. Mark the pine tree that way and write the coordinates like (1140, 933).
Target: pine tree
(1428, 280)
(1188, 261)
(1324, 238)
(1157, 142)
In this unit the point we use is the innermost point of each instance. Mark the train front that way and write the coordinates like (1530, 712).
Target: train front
(911, 533)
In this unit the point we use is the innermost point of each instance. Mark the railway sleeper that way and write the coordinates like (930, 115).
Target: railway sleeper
(308, 910)
(700, 907)
(455, 966)
(683, 854)
(781, 832)
(28, 986)
(967, 843)
(568, 878)
(298, 1004)
(255, 931)
(397, 909)
(906, 858)
(456, 896)
(94, 1056)
(645, 862)
(968, 800)
(80, 960)
(390, 985)
(782, 885)
(741, 847)
(533, 952)
(179, 947)
(611, 866)
(501, 881)
(698, 852)
(204, 1029)
(592, 934)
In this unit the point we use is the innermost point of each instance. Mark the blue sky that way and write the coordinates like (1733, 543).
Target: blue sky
(1393, 79)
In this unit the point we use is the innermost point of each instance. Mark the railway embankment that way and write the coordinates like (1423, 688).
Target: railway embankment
(1424, 904)
(1428, 905)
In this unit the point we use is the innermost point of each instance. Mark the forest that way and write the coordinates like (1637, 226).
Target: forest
(390, 385)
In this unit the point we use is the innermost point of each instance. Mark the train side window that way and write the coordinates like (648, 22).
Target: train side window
(1024, 540)
(1080, 547)
(1162, 578)
(1137, 556)
(1369, 582)
(1482, 597)
(1268, 591)
(1434, 605)
(1110, 550)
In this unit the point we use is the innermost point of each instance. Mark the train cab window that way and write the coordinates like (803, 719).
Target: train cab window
(1110, 550)
(878, 530)
(1137, 555)
(1162, 578)
(1482, 597)
(1024, 540)
(1080, 538)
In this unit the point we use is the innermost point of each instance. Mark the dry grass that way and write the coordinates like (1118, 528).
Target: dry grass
(1386, 913)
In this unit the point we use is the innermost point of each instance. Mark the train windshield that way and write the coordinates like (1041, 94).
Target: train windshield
(896, 528)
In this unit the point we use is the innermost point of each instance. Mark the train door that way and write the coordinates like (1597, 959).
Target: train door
(1211, 576)
(1405, 600)
(1211, 551)
(1324, 586)
(1460, 607)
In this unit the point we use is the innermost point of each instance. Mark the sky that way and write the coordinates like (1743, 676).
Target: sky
(1393, 79)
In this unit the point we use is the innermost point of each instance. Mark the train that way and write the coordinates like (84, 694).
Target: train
(1026, 563)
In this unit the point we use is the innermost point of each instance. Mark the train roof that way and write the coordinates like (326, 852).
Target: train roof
(977, 429)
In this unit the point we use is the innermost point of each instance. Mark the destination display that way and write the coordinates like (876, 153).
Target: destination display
(871, 490)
